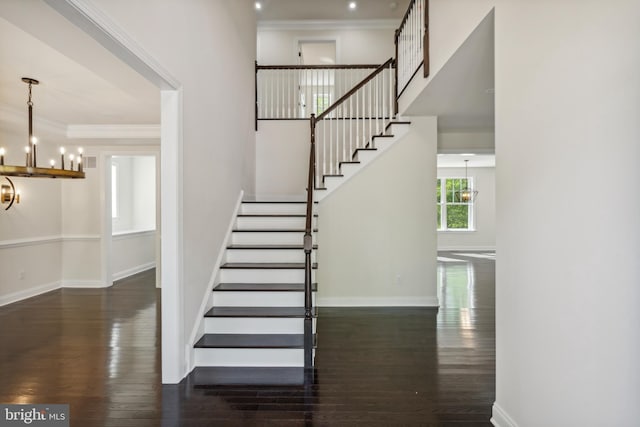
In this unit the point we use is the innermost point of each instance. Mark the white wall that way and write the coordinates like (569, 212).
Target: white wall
(466, 142)
(209, 46)
(568, 235)
(132, 253)
(450, 23)
(353, 45)
(484, 235)
(377, 240)
(136, 193)
(282, 158)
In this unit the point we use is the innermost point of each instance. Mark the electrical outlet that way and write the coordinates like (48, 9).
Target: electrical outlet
(21, 275)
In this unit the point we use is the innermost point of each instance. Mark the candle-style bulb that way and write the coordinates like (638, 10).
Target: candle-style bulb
(1, 156)
(27, 149)
(80, 150)
(61, 150)
(71, 157)
(52, 163)
(1, 151)
(34, 140)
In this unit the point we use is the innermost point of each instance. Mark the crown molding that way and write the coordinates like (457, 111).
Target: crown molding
(113, 131)
(18, 118)
(368, 24)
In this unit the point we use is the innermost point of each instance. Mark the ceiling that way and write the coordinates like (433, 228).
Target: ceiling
(281, 10)
(461, 94)
(81, 83)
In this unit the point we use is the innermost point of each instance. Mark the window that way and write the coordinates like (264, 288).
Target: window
(114, 191)
(321, 102)
(453, 213)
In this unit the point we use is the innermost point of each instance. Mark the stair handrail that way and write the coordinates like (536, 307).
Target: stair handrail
(353, 90)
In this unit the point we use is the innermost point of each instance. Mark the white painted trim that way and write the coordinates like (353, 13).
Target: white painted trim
(114, 131)
(134, 270)
(500, 418)
(86, 16)
(124, 235)
(198, 328)
(31, 241)
(93, 21)
(88, 284)
(368, 24)
(174, 364)
(28, 293)
(378, 302)
(467, 248)
(81, 238)
(45, 240)
(14, 116)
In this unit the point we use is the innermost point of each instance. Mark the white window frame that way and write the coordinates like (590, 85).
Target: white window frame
(442, 204)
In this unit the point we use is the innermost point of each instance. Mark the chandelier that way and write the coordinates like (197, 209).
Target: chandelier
(466, 194)
(30, 168)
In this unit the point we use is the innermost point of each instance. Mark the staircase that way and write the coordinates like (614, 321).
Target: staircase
(254, 331)
(361, 157)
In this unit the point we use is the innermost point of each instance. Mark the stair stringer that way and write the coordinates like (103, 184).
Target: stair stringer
(207, 301)
(364, 158)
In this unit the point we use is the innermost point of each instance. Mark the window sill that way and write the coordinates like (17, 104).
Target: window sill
(457, 231)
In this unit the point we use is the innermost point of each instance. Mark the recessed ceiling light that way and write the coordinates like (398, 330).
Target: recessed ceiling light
(352, 5)
(258, 5)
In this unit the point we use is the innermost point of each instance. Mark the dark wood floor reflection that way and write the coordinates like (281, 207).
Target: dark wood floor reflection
(98, 351)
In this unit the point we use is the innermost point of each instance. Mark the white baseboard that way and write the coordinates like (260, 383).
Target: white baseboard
(28, 293)
(467, 248)
(134, 270)
(500, 418)
(378, 302)
(198, 327)
(83, 284)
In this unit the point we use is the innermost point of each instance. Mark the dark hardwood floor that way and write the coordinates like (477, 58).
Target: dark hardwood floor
(98, 351)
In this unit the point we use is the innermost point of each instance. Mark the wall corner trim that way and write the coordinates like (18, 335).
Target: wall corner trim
(500, 418)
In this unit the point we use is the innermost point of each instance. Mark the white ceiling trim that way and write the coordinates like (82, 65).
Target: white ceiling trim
(364, 24)
(113, 131)
(16, 118)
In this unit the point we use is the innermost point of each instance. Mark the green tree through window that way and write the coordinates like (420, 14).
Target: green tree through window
(453, 213)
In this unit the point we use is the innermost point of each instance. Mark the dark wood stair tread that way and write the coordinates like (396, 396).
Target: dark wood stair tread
(267, 265)
(382, 136)
(275, 247)
(245, 376)
(251, 341)
(263, 287)
(355, 153)
(396, 123)
(289, 312)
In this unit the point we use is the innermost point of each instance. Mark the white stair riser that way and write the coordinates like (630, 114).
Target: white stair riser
(259, 299)
(271, 223)
(269, 238)
(249, 357)
(255, 325)
(266, 255)
(365, 156)
(274, 208)
(262, 276)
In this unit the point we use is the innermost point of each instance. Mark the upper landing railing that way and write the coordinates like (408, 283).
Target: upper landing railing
(412, 44)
